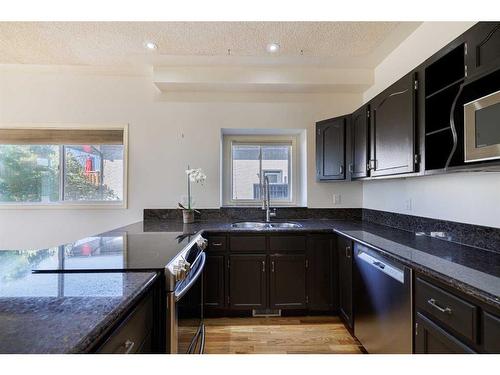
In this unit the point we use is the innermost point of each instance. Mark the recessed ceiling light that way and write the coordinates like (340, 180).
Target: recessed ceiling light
(273, 47)
(150, 45)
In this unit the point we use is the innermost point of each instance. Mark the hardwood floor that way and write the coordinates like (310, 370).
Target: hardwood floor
(281, 335)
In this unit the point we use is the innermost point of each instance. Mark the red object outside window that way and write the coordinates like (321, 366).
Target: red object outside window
(89, 167)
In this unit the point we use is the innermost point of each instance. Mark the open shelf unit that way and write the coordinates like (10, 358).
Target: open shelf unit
(443, 80)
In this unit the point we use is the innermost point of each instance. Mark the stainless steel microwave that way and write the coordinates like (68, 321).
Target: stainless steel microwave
(482, 128)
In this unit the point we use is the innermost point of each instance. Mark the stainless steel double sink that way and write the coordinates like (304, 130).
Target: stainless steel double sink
(262, 225)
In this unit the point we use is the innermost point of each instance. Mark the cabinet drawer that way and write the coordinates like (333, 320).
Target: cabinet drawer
(134, 332)
(248, 244)
(450, 310)
(217, 243)
(491, 333)
(285, 244)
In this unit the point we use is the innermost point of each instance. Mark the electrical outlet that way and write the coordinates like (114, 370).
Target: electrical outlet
(408, 204)
(336, 199)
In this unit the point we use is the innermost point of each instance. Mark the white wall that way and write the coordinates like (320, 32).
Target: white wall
(167, 131)
(466, 197)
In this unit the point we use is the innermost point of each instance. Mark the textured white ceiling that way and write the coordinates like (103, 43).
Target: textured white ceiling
(121, 43)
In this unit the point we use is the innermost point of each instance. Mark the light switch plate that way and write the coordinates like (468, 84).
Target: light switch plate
(408, 205)
(336, 198)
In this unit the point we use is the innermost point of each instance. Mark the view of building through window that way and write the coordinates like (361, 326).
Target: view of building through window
(251, 162)
(57, 173)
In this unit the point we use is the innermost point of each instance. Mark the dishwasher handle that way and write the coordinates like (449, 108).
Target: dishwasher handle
(378, 264)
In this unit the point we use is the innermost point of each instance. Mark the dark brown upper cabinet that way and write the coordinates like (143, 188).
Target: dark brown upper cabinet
(330, 149)
(287, 281)
(360, 137)
(393, 129)
(483, 48)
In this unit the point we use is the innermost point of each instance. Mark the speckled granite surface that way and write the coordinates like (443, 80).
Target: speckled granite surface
(467, 234)
(473, 270)
(63, 313)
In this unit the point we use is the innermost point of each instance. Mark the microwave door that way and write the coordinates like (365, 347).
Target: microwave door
(482, 128)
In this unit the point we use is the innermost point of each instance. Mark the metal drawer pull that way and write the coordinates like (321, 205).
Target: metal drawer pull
(444, 310)
(129, 345)
(216, 243)
(272, 266)
(263, 266)
(348, 252)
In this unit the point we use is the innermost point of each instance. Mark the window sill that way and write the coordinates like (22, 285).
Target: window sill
(64, 206)
(260, 205)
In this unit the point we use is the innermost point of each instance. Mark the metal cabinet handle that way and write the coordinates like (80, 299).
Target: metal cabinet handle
(263, 266)
(444, 310)
(216, 243)
(347, 251)
(341, 169)
(128, 345)
(351, 168)
(272, 266)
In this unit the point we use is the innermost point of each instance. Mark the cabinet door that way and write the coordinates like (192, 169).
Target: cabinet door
(491, 333)
(330, 149)
(288, 281)
(213, 282)
(247, 281)
(344, 247)
(360, 135)
(320, 291)
(483, 47)
(392, 129)
(432, 339)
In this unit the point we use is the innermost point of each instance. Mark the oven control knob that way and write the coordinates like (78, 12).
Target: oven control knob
(181, 269)
(179, 272)
(202, 243)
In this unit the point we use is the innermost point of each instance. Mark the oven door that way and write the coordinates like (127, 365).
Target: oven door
(482, 128)
(190, 337)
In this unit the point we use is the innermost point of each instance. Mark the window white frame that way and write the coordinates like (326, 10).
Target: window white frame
(76, 204)
(264, 140)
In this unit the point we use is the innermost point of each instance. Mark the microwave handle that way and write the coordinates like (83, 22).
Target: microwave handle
(453, 127)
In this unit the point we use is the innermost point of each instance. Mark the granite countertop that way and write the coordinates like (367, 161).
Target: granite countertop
(472, 270)
(62, 313)
(69, 311)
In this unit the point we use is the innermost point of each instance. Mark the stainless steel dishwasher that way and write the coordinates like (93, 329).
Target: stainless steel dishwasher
(382, 307)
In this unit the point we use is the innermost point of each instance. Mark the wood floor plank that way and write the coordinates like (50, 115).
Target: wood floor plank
(279, 335)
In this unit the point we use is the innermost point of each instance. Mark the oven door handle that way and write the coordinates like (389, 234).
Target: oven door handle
(199, 338)
(180, 293)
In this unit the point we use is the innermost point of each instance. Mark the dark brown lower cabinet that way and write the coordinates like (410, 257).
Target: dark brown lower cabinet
(213, 282)
(320, 273)
(134, 334)
(491, 333)
(247, 281)
(432, 339)
(287, 281)
(344, 248)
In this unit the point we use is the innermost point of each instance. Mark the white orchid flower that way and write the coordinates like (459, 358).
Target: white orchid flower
(196, 175)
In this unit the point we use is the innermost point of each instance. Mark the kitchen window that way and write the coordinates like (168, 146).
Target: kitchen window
(63, 166)
(248, 160)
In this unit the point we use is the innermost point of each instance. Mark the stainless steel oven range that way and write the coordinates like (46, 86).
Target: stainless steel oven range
(184, 284)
